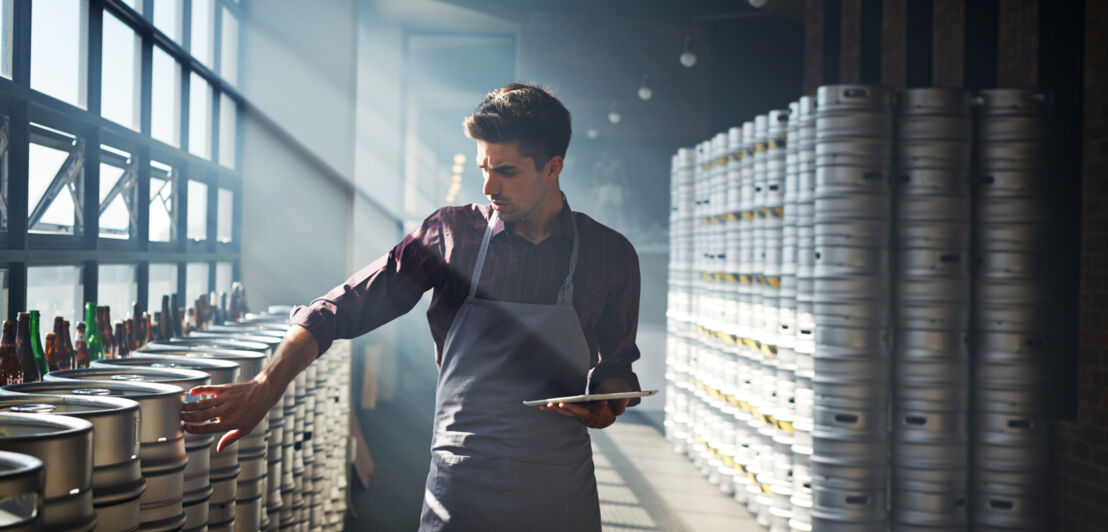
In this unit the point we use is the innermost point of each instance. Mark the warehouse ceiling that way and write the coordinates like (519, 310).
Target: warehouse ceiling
(520, 11)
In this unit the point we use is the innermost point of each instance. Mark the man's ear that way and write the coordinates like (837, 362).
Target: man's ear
(554, 167)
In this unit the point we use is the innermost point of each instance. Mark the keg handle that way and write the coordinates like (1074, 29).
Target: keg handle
(34, 408)
(857, 499)
(855, 92)
(915, 420)
(1000, 505)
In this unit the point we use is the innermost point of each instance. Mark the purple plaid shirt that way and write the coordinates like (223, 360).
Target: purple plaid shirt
(440, 255)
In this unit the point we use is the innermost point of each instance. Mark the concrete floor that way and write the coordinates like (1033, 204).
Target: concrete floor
(645, 486)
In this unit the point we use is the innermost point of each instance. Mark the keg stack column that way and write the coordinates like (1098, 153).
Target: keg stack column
(932, 300)
(1010, 426)
(799, 219)
(854, 132)
(679, 319)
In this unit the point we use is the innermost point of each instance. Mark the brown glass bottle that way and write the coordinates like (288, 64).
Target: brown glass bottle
(70, 358)
(122, 341)
(165, 329)
(55, 354)
(104, 320)
(149, 330)
(25, 352)
(83, 357)
(10, 370)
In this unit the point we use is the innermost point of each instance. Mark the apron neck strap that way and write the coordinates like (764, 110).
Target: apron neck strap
(565, 294)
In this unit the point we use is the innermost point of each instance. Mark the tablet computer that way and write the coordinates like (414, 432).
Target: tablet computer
(590, 397)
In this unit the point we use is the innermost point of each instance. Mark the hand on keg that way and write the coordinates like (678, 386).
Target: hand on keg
(235, 408)
(595, 414)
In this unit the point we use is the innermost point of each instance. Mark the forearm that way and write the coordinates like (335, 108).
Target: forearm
(295, 353)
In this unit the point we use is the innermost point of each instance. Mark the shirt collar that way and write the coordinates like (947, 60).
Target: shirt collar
(564, 227)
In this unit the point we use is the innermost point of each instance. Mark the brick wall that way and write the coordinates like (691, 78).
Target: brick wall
(813, 45)
(1018, 44)
(1081, 448)
(893, 45)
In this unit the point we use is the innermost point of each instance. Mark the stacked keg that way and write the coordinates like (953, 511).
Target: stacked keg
(117, 481)
(22, 478)
(209, 482)
(1010, 434)
(679, 312)
(161, 452)
(67, 442)
(800, 234)
(854, 142)
(188, 490)
(932, 300)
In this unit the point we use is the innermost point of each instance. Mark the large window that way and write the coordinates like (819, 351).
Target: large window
(128, 186)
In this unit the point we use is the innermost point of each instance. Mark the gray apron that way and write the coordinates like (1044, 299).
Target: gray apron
(496, 464)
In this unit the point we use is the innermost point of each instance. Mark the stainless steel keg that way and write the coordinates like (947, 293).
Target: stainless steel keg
(67, 443)
(22, 478)
(117, 481)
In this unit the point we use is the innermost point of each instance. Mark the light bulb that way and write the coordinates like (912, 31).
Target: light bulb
(758, 3)
(592, 133)
(614, 117)
(688, 59)
(459, 159)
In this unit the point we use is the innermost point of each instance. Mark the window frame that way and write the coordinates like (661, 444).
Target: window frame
(20, 250)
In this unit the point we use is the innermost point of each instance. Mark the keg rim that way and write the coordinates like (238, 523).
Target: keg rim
(67, 387)
(25, 471)
(175, 344)
(108, 374)
(198, 362)
(62, 425)
(112, 405)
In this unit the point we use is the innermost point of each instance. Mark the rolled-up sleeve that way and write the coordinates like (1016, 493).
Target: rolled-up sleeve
(617, 327)
(385, 289)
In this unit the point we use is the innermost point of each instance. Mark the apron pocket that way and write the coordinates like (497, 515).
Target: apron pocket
(466, 493)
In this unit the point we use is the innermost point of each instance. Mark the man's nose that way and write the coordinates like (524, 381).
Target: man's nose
(491, 186)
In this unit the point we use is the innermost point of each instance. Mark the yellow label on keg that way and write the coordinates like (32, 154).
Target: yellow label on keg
(744, 279)
(752, 478)
(730, 217)
(729, 277)
(750, 343)
(766, 489)
(774, 281)
(764, 213)
(761, 146)
(708, 165)
(723, 160)
(706, 276)
(769, 350)
(779, 212)
(749, 215)
(738, 156)
(777, 143)
(787, 427)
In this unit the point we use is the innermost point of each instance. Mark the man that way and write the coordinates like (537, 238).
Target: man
(531, 300)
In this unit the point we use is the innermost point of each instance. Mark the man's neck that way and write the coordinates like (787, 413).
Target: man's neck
(543, 222)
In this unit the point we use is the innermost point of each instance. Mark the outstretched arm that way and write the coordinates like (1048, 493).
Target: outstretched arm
(238, 408)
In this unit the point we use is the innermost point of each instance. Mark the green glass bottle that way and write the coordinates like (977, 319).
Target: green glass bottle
(36, 344)
(92, 333)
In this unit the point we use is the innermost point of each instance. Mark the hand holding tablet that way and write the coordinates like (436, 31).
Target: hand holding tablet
(590, 397)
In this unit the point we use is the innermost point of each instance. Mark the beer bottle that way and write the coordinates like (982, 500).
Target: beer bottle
(36, 343)
(25, 350)
(175, 317)
(122, 343)
(165, 330)
(83, 359)
(104, 319)
(70, 354)
(10, 370)
(92, 334)
(55, 352)
(149, 330)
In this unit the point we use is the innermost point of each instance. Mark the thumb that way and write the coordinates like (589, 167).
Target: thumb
(206, 390)
(228, 439)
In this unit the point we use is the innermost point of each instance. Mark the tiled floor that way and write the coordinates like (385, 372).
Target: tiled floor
(645, 486)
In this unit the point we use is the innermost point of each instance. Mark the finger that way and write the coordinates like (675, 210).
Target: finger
(202, 404)
(577, 410)
(207, 428)
(618, 406)
(228, 439)
(209, 390)
(202, 415)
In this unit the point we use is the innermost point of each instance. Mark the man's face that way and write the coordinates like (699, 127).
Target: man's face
(512, 184)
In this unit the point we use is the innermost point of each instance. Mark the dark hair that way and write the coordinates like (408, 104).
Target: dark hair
(524, 113)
